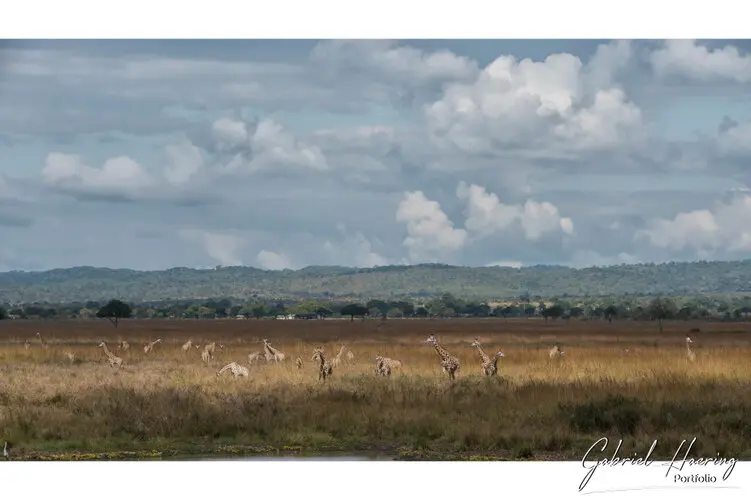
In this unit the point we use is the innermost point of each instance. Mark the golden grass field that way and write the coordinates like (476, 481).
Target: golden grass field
(170, 402)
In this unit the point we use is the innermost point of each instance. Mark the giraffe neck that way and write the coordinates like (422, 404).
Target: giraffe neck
(484, 356)
(443, 353)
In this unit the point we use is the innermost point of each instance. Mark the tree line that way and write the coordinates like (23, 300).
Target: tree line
(445, 305)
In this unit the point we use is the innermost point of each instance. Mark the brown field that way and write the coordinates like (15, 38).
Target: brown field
(170, 402)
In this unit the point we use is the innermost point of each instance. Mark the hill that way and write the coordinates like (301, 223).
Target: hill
(89, 283)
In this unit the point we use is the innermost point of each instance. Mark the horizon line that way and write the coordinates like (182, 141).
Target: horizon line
(375, 268)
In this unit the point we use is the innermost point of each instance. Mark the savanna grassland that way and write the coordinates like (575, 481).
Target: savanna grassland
(168, 403)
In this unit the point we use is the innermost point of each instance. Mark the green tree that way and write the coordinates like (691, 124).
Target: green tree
(353, 310)
(115, 310)
(661, 308)
(554, 311)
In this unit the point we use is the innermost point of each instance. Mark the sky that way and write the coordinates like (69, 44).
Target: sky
(152, 154)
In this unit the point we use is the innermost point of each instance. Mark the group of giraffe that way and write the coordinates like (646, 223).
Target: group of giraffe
(383, 366)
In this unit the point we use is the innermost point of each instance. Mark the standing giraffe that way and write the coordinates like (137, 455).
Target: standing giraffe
(147, 348)
(42, 341)
(338, 358)
(324, 367)
(689, 352)
(449, 364)
(237, 370)
(113, 360)
(493, 368)
(271, 353)
(484, 359)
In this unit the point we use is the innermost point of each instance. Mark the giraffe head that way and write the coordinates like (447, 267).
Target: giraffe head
(39, 335)
(317, 354)
(476, 342)
(431, 340)
(499, 354)
(689, 341)
(101, 344)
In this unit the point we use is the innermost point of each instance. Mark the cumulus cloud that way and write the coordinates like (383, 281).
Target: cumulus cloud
(184, 160)
(273, 261)
(431, 235)
(120, 176)
(688, 59)
(524, 104)
(486, 214)
(726, 228)
(225, 248)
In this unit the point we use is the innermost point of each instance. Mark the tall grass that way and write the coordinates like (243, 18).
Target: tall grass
(536, 408)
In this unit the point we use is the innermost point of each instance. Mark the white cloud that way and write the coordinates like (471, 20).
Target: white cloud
(222, 247)
(273, 261)
(270, 147)
(524, 104)
(486, 214)
(689, 59)
(229, 133)
(430, 234)
(726, 228)
(117, 176)
(184, 160)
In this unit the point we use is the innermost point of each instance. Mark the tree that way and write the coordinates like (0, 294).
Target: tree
(114, 310)
(660, 309)
(3, 314)
(353, 310)
(611, 312)
(554, 311)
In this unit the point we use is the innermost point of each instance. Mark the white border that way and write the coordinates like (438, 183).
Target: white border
(348, 19)
(357, 480)
(383, 19)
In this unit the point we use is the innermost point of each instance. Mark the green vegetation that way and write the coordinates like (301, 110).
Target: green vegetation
(390, 282)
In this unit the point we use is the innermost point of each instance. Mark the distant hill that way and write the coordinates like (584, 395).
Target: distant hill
(89, 283)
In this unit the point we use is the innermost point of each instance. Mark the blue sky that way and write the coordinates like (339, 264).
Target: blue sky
(287, 153)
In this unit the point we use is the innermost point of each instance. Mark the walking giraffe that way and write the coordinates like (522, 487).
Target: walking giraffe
(449, 364)
(113, 360)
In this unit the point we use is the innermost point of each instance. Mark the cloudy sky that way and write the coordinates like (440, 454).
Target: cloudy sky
(274, 154)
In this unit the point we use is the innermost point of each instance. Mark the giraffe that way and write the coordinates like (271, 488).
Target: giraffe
(113, 360)
(492, 368)
(147, 348)
(27, 345)
(383, 368)
(449, 364)
(123, 346)
(42, 341)
(392, 363)
(324, 367)
(689, 352)
(271, 353)
(210, 349)
(485, 360)
(186, 346)
(555, 352)
(298, 362)
(206, 356)
(237, 370)
(338, 358)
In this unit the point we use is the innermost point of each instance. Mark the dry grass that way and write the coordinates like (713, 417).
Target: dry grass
(537, 407)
